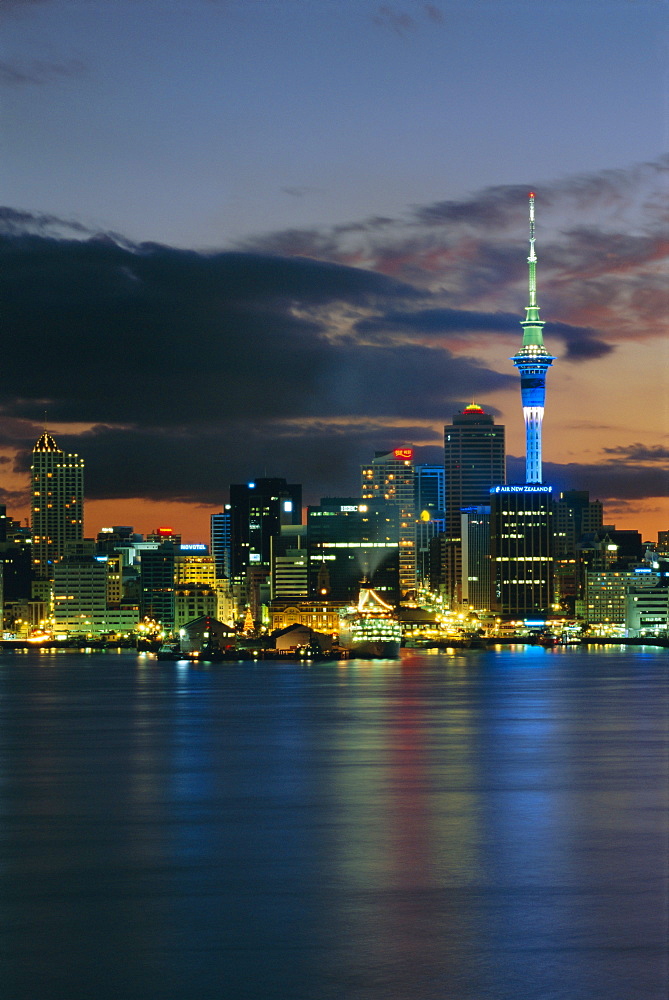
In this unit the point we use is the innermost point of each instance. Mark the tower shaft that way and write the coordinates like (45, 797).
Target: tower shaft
(533, 361)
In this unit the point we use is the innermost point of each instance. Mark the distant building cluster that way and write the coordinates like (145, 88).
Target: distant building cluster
(435, 540)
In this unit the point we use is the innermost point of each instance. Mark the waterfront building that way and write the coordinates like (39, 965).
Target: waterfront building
(350, 540)
(192, 601)
(521, 550)
(57, 503)
(533, 361)
(321, 616)
(604, 606)
(87, 593)
(390, 479)
(157, 585)
(647, 607)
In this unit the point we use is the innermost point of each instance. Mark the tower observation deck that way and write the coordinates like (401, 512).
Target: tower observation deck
(533, 361)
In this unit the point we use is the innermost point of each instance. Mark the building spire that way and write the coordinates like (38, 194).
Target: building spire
(533, 361)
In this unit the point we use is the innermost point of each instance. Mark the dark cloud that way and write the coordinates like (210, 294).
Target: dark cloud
(196, 465)
(17, 222)
(191, 366)
(580, 342)
(388, 16)
(640, 453)
(608, 481)
(434, 13)
(19, 72)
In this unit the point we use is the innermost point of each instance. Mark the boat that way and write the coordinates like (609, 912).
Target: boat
(370, 629)
(169, 651)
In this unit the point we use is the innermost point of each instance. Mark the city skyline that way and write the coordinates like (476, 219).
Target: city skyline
(194, 313)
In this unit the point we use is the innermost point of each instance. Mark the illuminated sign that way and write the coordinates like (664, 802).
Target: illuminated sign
(288, 506)
(193, 547)
(348, 508)
(404, 453)
(521, 489)
(165, 531)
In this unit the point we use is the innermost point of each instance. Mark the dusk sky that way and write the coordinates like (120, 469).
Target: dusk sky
(270, 237)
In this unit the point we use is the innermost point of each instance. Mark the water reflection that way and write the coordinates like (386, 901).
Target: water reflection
(468, 825)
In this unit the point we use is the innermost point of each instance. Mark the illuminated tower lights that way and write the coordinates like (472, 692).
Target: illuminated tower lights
(533, 361)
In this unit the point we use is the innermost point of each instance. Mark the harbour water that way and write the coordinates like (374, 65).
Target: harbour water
(481, 825)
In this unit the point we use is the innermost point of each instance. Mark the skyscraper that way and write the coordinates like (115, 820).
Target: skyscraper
(390, 479)
(57, 503)
(349, 540)
(521, 549)
(430, 504)
(474, 462)
(533, 361)
(257, 511)
(220, 541)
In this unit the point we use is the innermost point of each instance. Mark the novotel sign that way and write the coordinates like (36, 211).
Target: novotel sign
(521, 489)
(404, 453)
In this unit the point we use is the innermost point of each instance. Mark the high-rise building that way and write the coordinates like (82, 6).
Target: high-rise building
(429, 488)
(57, 504)
(474, 462)
(157, 584)
(475, 546)
(533, 361)
(521, 549)
(390, 479)
(220, 542)
(348, 540)
(257, 511)
(575, 516)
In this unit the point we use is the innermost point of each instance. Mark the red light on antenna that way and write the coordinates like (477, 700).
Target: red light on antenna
(531, 194)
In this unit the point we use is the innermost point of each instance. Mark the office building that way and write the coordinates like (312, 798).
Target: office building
(390, 479)
(474, 462)
(258, 509)
(157, 585)
(647, 609)
(350, 540)
(57, 504)
(521, 550)
(475, 548)
(574, 517)
(220, 542)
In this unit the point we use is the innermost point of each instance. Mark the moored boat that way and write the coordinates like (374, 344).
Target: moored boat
(371, 629)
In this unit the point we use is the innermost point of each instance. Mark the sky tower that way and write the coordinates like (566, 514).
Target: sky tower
(533, 361)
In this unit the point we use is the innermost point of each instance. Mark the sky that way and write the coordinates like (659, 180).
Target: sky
(271, 237)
